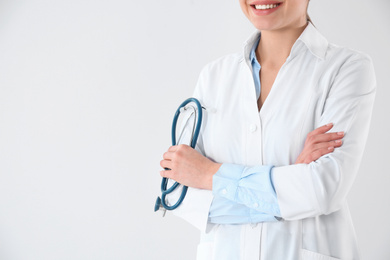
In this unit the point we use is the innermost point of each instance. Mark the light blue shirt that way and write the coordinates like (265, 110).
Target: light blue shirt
(244, 194)
(255, 68)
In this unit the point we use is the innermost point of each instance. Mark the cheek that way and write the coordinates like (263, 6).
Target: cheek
(244, 7)
(295, 11)
(299, 6)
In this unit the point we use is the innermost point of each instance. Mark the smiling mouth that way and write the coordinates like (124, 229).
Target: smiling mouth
(265, 7)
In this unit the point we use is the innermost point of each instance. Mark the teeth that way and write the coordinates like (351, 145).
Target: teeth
(264, 7)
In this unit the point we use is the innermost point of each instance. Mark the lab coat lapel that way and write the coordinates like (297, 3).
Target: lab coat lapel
(312, 39)
(249, 102)
(250, 96)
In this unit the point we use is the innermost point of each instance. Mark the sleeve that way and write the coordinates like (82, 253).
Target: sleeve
(321, 187)
(195, 206)
(243, 195)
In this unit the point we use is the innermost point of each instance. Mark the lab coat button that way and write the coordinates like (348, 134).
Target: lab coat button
(224, 191)
(255, 205)
(252, 128)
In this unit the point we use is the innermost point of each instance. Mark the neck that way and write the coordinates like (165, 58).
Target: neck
(275, 46)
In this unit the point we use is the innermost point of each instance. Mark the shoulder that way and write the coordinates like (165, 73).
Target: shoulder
(218, 75)
(224, 64)
(344, 56)
(352, 69)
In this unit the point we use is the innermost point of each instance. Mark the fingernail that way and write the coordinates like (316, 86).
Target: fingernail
(340, 133)
(338, 141)
(330, 148)
(329, 124)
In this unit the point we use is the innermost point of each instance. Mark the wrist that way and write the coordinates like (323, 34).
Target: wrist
(212, 170)
(215, 167)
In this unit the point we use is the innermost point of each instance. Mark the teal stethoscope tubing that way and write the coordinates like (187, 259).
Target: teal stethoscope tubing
(164, 183)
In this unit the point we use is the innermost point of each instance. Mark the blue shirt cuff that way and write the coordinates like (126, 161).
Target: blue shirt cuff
(250, 186)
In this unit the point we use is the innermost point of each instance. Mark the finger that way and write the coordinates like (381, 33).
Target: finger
(173, 148)
(327, 137)
(318, 153)
(166, 174)
(177, 147)
(335, 143)
(168, 155)
(321, 129)
(166, 164)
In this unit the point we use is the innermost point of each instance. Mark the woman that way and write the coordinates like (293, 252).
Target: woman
(268, 180)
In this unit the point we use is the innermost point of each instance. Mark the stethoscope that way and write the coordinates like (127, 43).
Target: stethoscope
(161, 203)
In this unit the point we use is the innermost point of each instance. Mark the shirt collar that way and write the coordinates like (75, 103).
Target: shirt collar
(252, 55)
(314, 41)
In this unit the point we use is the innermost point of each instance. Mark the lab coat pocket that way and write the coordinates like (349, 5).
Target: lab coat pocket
(205, 251)
(309, 255)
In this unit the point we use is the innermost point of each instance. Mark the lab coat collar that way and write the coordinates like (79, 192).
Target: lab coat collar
(310, 37)
(314, 41)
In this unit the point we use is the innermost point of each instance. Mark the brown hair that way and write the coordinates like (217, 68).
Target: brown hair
(308, 18)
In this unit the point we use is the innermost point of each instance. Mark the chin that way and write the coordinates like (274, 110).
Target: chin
(265, 25)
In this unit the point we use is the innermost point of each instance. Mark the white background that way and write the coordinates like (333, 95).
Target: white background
(88, 90)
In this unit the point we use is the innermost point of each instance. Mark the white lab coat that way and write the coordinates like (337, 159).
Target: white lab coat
(318, 84)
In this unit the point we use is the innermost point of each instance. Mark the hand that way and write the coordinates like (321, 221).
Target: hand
(318, 143)
(188, 167)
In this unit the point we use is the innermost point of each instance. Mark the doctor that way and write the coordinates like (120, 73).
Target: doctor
(267, 180)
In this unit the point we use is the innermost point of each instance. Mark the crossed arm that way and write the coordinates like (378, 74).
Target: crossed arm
(191, 168)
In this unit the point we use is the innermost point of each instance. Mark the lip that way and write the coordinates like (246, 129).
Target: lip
(270, 2)
(267, 11)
